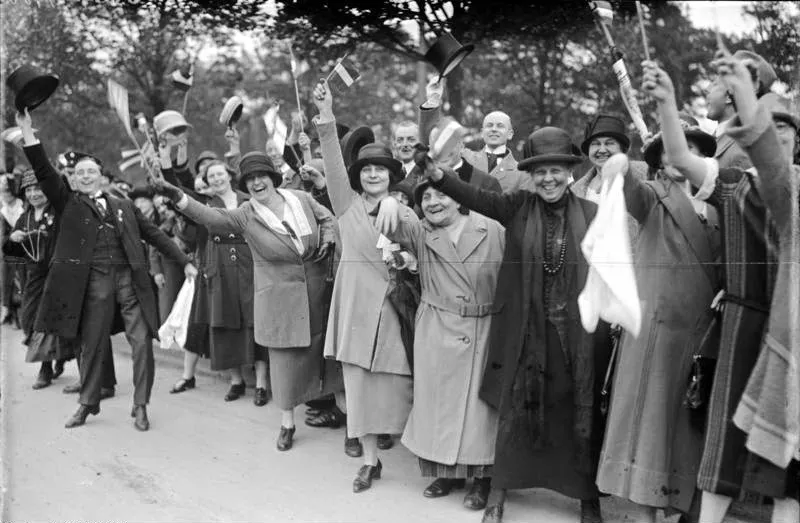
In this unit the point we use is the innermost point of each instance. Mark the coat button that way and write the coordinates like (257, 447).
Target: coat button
(216, 239)
(233, 250)
(233, 257)
(465, 339)
(231, 236)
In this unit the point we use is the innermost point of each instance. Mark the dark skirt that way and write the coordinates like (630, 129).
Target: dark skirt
(297, 375)
(41, 346)
(518, 464)
(49, 347)
(432, 469)
(232, 348)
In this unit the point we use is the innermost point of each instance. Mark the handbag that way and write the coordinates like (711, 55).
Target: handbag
(704, 361)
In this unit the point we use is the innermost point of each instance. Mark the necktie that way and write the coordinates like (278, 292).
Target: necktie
(100, 202)
(492, 161)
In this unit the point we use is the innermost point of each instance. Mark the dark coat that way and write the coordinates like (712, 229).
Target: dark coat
(63, 298)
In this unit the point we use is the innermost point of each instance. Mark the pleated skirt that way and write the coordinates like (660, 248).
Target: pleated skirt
(377, 402)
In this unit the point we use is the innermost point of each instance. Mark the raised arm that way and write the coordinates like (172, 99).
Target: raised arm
(500, 207)
(339, 190)
(430, 112)
(658, 84)
(49, 180)
(233, 220)
(640, 197)
(158, 239)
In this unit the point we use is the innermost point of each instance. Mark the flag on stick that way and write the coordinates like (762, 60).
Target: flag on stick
(603, 11)
(276, 129)
(343, 75)
(118, 99)
(298, 68)
(450, 136)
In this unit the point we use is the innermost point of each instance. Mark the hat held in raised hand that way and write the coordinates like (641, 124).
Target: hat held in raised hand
(231, 112)
(446, 54)
(170, 121)
(31, 87)
(548, 145)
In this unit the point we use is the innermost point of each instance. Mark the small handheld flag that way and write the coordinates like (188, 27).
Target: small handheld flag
(276, 128)
(182, 78)
(343, 75)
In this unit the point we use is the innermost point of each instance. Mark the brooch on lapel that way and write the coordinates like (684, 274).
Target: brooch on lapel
(48, 219)
(119, 215)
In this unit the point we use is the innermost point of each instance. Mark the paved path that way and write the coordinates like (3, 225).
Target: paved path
(207, 460)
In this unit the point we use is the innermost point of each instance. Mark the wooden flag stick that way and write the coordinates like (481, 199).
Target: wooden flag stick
(644, 33)
(340, 60)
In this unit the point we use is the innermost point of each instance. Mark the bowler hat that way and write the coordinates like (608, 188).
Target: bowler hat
(446, 53)
(548, 145)
(231, 112)
(691, 129)
(256, 162)
(764, 71)
(779, 107)
(170, 121)
(374, 154)
(31, 87)
(353, 141)
(605, 125)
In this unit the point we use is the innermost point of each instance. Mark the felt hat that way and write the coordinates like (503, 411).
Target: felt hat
(31, 87)
(353, 141)
(205, 155)
(231, 112)
(548, 145)
(605, 125)
(446, 54)
(764, 71)
(257, 162)
(405, 188)
(374, 154)
(780, 109)
(170, 121)
(691, 129)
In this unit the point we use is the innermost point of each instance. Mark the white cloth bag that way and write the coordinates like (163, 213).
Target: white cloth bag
(175, 328)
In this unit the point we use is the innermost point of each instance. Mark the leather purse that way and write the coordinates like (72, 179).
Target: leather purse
(701, 379)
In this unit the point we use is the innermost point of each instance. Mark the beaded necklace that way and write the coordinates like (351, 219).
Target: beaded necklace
(35, 252)
(549, 268)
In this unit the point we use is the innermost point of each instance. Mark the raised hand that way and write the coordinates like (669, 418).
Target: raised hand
(163, 187)
(304, 141)
(26, 126)
(308, 172)
(736, 77)
(657, 82)
(434, 92)
(323, 99)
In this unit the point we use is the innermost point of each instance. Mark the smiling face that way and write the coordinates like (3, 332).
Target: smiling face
(496, 129)
(35, 196)
(550, 180)
(439, 209)
(88, 178)
(602, 148)
(219, 181)
(260, 186)
(405, 138)
(375, 180)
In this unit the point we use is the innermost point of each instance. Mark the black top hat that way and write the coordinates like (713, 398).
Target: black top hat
(353, 141)
(605, 125)
(377, 154)
(446, 53)
(257, 162)
(548, 145)
(31, 87)
(691, 129)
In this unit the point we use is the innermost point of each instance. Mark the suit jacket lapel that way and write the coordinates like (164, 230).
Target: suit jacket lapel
(90, 203)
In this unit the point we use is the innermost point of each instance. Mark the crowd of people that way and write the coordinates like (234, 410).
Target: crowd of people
(437, 299)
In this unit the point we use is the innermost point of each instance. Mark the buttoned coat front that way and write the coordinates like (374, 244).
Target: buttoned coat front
(289, 302)
(449, 423)
(79, 221)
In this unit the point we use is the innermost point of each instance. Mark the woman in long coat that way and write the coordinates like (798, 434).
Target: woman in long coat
(363, 328)
(653, 443)
(33, 239)
(543, 367)
(290, 235)
(450, 428)
(750, 255)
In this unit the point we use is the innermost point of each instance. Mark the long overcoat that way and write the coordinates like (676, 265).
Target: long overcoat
(449, 423)
(289, 304)
(65, 288)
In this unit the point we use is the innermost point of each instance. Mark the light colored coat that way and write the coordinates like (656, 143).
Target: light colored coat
(449, 423)
(363, 327)
(289, 304)
(511, 179)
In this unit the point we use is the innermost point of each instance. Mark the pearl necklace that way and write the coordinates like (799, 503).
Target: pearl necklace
(548, 267)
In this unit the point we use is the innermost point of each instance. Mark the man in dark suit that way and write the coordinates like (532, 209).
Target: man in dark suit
(99, 265)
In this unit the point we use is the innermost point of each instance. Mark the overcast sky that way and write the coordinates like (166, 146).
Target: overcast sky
(728, 15)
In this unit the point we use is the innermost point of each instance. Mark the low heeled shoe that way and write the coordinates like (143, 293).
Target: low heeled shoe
(79, 418)
(365, 476)
(285, 438)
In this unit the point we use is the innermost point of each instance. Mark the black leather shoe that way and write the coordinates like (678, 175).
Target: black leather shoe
(590, 511)
(235, 392)
(441, 487)
(44, 378)
(365, 476)
(478, 495)
(58, 369)
(313, 412)
(493, 514)
(353, 448)
(140, 413)
(285, 438)
(72, 388)
(260, 399)
(79, 418)
(385, 441)
(106, 392)
(182, 385)
(333, 418)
